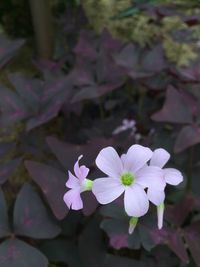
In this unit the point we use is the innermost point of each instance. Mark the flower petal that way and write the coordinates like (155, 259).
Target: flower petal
(135, 201)
(160, 157)
(72, 182)
(155, 196)
(151, 176)
(73, 199)
(109, 162)
(107, 189)
(80, 171)
(172, 176)
(136, 157)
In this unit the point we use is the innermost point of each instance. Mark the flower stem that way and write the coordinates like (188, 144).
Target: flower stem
(190, 169)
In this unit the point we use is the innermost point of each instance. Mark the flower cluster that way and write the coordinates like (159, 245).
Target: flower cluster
(138, 175)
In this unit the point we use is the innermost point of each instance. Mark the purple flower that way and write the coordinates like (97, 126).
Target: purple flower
(77, 185)
(170, 176)
(129, 175)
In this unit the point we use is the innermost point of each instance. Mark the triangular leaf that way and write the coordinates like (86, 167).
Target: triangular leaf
(175, 109)
(52, 183)
(188, 136)
(31, 217)
(8, 169)
(16, 253)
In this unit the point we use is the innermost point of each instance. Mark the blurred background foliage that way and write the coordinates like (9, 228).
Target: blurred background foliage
(148, 76)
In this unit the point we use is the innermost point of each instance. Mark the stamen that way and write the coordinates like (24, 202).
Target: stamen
(127, 179)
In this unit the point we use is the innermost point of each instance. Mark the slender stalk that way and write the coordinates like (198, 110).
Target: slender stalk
(43, 27)
(190, 169)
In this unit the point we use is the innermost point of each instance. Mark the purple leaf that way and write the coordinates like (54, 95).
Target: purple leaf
(116, 224)
(192, 237)
(55, 93)
(174, 110)
(153, 60)
(8, 49)
(177, 213)
(83, 75)
(95, 91)
(140, 63)
(128, 57)
(107, 71)
(86, 46)
(8, 169)
(89, 203)
(176, 244)
(62, 251)
(68, 153)
(115, 228)
(188, 136)
(145, 236)
(93, 254)
(15, 253)
(108, 43)
(42, 99)
(159, 236)
(119, 241)
(52, 183)
(45, 116)
(11, 106)
(28, 89)
(173, 239)
(4, 224)
(160, 81)
(117, 261)
(31, 217)
(5, 148)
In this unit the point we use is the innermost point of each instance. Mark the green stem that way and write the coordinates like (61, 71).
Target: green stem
(43, 27)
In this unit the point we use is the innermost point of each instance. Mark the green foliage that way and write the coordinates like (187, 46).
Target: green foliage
(128, 21)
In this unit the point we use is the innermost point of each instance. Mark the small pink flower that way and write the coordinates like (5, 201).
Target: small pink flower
(127, 175)
(77, 185)
(170, 176)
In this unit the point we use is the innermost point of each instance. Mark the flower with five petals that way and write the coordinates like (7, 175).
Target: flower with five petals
(129, 175)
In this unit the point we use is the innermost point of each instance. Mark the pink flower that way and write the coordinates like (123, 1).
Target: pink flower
(77, 185)
(170, 176)
(127, 175)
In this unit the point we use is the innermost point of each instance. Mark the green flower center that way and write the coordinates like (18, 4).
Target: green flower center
(127, 178)
(88, 185)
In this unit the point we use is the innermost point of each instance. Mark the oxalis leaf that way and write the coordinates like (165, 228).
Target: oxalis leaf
(31, 217)
(52, 183)
(8, 49)
(174, 102)
(16, 253)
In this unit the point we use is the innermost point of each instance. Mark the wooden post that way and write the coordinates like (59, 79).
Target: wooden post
(43, 27)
